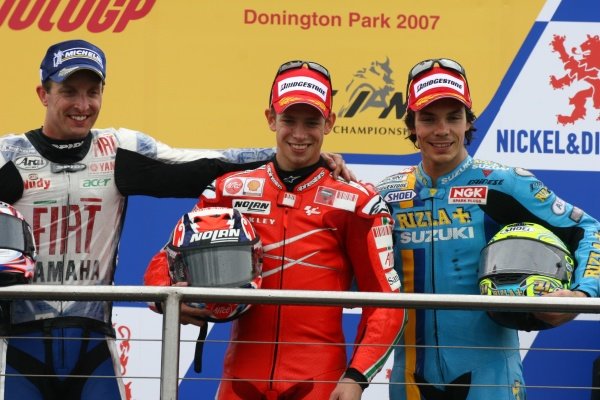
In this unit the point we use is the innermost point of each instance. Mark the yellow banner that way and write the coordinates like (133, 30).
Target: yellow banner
(198, 73)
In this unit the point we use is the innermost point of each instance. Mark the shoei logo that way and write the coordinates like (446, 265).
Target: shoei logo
(30, 162)
(400, 195)
(581, 73)
(468, 194)
(66, 16)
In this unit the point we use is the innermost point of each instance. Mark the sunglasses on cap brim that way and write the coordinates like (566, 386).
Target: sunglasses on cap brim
(297, 64)
(427, 65)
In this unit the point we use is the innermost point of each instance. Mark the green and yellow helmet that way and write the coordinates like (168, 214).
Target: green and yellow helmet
(524, 259)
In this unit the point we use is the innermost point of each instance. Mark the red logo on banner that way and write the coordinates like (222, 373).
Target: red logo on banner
(124, 334)
(581, 67)
(96, 15)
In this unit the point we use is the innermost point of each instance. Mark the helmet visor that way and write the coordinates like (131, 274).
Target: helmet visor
(15, 234)
(228, 266)
(524, 256)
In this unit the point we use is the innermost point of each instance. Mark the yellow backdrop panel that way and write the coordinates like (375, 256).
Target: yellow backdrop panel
(197, 73)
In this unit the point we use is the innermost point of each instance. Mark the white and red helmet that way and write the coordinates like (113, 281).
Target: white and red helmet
(216, 247)
(17, 247)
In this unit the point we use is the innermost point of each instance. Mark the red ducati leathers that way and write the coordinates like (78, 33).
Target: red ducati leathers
(318, 237)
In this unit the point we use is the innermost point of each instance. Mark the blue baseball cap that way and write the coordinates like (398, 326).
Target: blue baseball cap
(64, 58)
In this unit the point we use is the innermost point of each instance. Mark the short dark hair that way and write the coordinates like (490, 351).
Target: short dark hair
(409, 120)
(47, 84)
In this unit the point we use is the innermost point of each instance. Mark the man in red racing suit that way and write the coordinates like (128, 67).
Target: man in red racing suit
(318, 233)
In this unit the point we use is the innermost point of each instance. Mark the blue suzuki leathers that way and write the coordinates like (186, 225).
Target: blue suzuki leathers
(440, 230)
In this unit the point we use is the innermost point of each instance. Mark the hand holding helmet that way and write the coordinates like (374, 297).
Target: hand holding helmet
(524, 259)
(216, 247)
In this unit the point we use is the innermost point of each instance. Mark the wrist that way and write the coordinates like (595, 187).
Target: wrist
(356, 376)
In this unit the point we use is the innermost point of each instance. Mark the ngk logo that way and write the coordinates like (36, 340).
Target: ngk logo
(67, 16)
(468, 194)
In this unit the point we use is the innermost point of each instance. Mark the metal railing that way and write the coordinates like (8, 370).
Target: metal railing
(171, 297)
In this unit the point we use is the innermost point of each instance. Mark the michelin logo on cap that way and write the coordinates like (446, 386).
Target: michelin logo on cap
(65, 55)
(64, 58)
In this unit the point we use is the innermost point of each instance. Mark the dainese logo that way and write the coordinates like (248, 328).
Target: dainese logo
(582, 66)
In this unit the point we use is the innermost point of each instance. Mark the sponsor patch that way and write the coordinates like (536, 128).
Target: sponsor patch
(289, 199)
(102, 167)
(104, 146)
(559, 206)
(386, 258)
(309, 210)
(59, 168)
(542, 194)
(336, 198)
(522, 172)
(400, 195)
(38, 184)
(252, 206)
(308, 184)
(485, 182)
(94, 183)
(325, 196)
(393, 279)
(576, 214)
(254, 186)
(383, 236)
(261, 220)
(468, 195)
(393, 186)
(236, 186)
(217, 236)
(233, 186)
(376, 206)
(30, 162)
(345, 200)
(535, 186)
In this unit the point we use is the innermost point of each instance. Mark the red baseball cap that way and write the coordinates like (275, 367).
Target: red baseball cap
(438, 83)
(301, 85)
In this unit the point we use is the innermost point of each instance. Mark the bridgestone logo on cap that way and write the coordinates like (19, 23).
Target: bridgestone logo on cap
(302, 83)
(438, 81)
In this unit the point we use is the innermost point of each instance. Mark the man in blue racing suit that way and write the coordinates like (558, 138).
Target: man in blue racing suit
(446, 209)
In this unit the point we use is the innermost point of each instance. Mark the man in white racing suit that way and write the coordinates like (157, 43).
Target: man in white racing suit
(65, 179)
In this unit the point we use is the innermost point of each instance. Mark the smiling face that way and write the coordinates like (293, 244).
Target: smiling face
(73, 106)
(300, 130)
(440, 131)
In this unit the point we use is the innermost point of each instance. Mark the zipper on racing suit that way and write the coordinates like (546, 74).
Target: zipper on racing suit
(433, 278)
(278, 321)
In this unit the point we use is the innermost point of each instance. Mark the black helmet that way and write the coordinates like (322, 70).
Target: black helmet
(17, 247)
(216, 247)
(524, 259)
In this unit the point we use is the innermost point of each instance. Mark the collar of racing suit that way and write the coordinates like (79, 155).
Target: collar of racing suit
(293, 178)
(60, 151)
